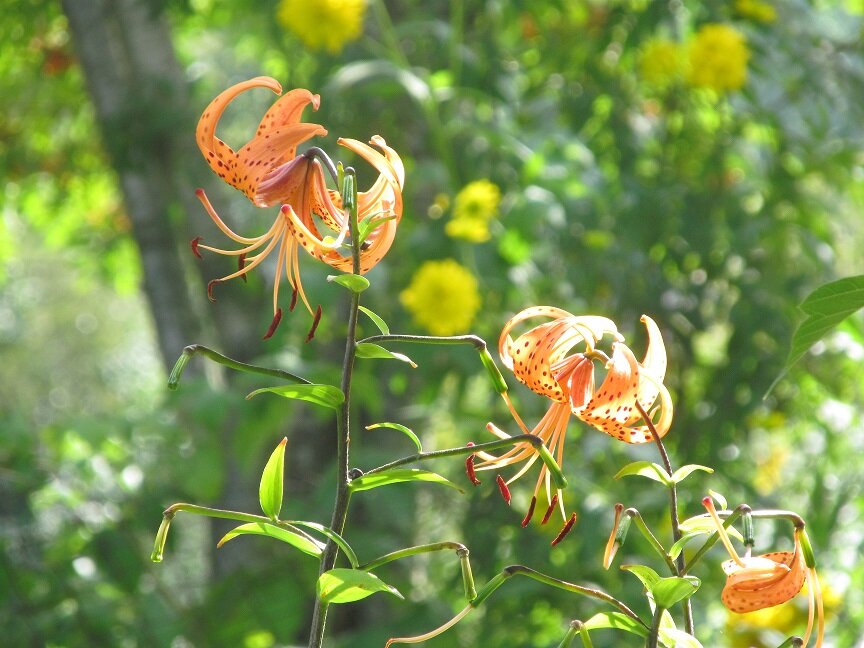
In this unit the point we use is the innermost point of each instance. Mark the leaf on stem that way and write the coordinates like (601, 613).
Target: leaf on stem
(675, 638)
(342, 585)
(617, 621)
(369, 350)
(404, 430)
(324, 395)
(376, 320)
(354, 283)
(685, 471)
(645, 469)
(270, 489)
(303, 543)
(674, 589)
(644, 573)
(398, 476)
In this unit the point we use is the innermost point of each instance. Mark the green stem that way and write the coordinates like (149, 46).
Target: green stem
(634, 515)
(521, 570)
(552, 466)
(343, 422)
(654, 633)
(193, 349)
(673, 512)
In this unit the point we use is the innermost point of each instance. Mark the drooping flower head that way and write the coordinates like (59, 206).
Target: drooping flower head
(268, 170)
(758, 582)
(556, 359)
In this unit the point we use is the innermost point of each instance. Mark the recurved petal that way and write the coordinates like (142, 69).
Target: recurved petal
(218, 154)
(385, 195)
(753, 587)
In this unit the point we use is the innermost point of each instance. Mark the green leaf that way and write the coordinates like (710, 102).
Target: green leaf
(616, 620)
(380, 323)
(347, 585)
(719, 499)
(676, 549)
(645, 469)
(673, 589)
(330, 533)
(304, 543)
(404, 430)
(397, 476)
(674, 638)
(354, 283)
(369, 225)
(685, 471)
(825, 307)
(324, 395)
(369, 350)
(644, 573)
(704, 524)
(270, 489)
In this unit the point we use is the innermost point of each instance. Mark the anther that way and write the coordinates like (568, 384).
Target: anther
(551, 508)
(530, 512)
(210, 285)
(194, 245)
(469, 467)
(315, 322)
(502, 486)
(293, 299)
(275, 323)
(565, 529)
(241, 263)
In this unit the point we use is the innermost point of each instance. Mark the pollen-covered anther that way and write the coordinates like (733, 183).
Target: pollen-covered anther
(241, 263)
(315, 321)
(530, 512)
(552, 505)
(502, 486)
(277, 317)
(293, 299)
(469, 467)
(568, 526)
(194, 245)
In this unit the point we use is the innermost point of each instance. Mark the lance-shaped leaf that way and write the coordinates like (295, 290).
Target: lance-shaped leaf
(404, 430)
(685, 471)
(330, 533)
(645, 469)
(617, 621)
(342, 585)
(698, 526)
(270, 489)
(296, 539)
(398, 476)
(369, 350)
(675, 638)
(324, 395)
(673, 589)
(376, 320)
(354, 283)
(644, 573)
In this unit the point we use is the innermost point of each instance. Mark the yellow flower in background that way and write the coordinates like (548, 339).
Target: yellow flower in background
(474, 206)
(756, 10)
(442, 297)
(323, 24)
(660, 62)
(718, 58)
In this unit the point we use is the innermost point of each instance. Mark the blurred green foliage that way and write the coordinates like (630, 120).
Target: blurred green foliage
(714, 212)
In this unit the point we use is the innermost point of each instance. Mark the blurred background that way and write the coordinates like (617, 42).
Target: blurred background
(701, 162)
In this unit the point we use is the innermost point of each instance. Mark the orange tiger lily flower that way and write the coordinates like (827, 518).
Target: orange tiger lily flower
(268, 170)
(758, 582)
(544, 360)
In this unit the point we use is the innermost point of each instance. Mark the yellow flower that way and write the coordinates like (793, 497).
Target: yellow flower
(474, 206)
(323, 24)
(718, 58)
(660, 62)
(268, 170)
(556, 360)
(442, 297)
(756, 10)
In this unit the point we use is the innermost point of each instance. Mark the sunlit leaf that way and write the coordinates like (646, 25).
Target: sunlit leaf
(354, 283)
(645, 469)
(347, 585)
(330, 533)
(721, 501)
(270, 489)
(674, 638)
(644, 573)
(380, 323)
(616, 620)
(369, 350)
(404, 430)
(324, 395)
(303, 543)
(674, 589)
(685, 471)
(398, 476)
